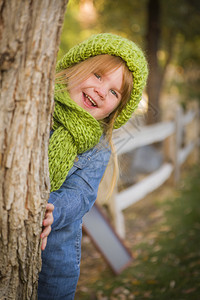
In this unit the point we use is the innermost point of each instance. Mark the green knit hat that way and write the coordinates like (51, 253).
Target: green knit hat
(107, 43)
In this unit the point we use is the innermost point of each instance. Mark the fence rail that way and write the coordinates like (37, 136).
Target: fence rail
(147, 135)
(179, 143)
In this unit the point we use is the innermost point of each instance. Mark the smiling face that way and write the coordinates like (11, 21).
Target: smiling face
(101, 84)
(99, 94)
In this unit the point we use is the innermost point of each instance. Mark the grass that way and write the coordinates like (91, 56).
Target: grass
(163, 232)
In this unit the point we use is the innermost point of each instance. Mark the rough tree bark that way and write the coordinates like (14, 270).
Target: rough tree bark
(29, 39)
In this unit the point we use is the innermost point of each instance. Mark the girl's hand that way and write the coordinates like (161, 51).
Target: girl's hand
(47, 222)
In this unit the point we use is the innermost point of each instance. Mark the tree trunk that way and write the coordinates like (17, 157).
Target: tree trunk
(29, 40)
(153, 38)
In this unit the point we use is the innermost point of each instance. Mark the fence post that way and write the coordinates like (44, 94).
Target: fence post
(178, 142)
(103, 191)
(193, 133)
(115, 214)
(169, 150)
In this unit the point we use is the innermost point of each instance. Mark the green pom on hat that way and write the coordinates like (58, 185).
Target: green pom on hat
(107, 43)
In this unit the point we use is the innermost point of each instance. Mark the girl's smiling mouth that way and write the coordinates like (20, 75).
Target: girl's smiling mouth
(88, 101)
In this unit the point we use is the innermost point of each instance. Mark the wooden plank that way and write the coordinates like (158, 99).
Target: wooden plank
(183, 153)
(139, 190)
(178, 141)
(188, 117)
(146, 135)
(106, 240)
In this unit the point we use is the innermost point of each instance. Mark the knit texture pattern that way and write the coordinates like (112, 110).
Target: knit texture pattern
(107, 43)
(75, 131)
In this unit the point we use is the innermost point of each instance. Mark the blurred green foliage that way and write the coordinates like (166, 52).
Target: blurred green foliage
(71, 29)
(181, 27)
(180, 34)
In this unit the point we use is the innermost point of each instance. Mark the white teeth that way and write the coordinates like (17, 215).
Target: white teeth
(91, 100)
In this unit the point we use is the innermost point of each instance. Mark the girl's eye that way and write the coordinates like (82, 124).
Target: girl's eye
(114, 93)
(97, 75)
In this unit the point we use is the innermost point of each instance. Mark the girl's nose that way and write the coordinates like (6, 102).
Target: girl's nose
(101, 91)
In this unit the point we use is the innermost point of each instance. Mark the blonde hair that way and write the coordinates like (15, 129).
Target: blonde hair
(101, 64)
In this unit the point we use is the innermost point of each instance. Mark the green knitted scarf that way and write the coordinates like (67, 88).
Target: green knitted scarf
(75, 131)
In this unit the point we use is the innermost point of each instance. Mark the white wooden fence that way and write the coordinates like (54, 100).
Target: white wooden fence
(179, 142)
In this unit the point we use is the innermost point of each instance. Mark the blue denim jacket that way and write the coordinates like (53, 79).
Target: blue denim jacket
(61, 258)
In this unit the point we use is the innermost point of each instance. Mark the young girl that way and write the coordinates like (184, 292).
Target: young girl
(99, 84)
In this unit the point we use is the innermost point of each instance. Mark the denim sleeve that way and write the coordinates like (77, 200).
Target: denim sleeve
(79, 191)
